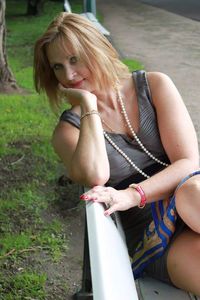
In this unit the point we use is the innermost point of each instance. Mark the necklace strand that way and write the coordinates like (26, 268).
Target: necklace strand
(106, 125)
(119, 97)
(125, 156)
(121, 152)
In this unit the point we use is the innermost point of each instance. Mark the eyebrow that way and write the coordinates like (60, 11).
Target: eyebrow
(58, 63)
(54, 63)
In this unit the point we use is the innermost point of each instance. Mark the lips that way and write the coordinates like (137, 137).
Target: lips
(76, 85)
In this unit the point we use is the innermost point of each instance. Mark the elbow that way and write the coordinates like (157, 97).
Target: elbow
(196, 165)
(89, 179)
(97, 180)
(98, 177)
(193, 164)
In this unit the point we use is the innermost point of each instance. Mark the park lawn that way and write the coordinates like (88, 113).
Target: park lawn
(33, 231)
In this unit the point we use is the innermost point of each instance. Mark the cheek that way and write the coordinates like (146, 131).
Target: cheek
(59, 77)
(87, 74)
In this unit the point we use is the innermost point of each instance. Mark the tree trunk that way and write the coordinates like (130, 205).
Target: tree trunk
(7, 80)
(35, 7)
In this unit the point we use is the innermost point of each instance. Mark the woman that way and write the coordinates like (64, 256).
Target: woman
(124, 129)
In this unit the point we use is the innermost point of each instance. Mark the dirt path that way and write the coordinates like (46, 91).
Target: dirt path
(72, 267)
(162, 41)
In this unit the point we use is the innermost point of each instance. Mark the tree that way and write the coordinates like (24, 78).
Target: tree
(34, 7)
(7, 80)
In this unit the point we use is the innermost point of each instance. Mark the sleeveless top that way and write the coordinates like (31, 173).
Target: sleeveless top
(134, 220)
(148, 231)
(148, 133)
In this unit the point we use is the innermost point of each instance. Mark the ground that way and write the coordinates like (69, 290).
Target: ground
(64, 274)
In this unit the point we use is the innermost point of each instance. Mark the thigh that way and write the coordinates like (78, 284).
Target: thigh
(158, 268)
(188, 204)
(183, 261)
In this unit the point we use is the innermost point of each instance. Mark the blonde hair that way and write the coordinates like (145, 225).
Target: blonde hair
(88, 44)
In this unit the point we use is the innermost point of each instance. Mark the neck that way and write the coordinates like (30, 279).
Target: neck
(108, 100)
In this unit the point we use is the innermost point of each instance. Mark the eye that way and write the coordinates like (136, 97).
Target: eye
(56, 67)
(73, 60)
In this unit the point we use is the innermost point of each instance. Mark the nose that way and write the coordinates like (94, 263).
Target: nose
(70, 72)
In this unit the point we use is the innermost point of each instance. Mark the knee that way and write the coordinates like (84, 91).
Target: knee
(190, 189)
(183, 262)
(188, 245)
(188, 203)
(195, 246)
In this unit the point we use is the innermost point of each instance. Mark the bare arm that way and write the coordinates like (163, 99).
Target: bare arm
(83, 151)
(180, 143)
(177, 135)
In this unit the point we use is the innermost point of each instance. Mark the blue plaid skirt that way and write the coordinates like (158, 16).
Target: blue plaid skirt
(158, 233)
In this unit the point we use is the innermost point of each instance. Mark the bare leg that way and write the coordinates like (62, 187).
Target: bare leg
(183, 262)
(188, 203)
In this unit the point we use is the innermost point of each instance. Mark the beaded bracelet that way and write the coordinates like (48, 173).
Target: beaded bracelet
(92, 112)
(139, 189)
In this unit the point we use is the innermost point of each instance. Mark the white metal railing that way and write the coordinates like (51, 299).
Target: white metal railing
(112, 277)
(90, 15)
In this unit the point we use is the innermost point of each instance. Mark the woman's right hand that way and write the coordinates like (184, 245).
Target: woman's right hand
(79, 97)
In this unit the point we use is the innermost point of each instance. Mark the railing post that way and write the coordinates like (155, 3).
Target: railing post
(112, 276)
(90, 6)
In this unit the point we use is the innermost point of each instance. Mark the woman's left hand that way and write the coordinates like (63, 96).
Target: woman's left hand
(78, 96)
(115, 200)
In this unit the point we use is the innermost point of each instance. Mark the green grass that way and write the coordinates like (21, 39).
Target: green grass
(29, 166)
(25, 285)
(30, 229)
(133, 64)
(27, 229)
(15, 242)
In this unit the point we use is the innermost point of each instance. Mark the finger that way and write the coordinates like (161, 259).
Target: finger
(89, 196)
(110, 211)
(66, 90)
(62, 88)
(98, 188)
(102, 199)
(84, 197)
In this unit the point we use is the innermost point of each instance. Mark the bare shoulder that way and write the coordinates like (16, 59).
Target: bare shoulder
(64, 135)
(76, 109)
(158, 77)
(64, 128)
(172, 118)
(162, 88)
(158, 80)
(64, 139)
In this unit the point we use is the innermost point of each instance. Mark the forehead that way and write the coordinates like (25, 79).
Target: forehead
(58, 50)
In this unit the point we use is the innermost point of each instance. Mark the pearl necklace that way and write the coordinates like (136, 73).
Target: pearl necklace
(121, 152)
(125, 156)
(119, 97)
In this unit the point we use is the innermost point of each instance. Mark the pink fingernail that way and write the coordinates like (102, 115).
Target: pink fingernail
(84, 197)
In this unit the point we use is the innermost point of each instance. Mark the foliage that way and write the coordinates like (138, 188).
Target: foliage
(24, 285)
(31, 230)
(133, 64)
(28, 165)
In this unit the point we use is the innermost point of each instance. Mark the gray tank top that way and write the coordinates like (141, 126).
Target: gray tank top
(148, 133)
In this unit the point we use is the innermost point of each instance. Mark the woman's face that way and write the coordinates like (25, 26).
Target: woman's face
(69, 70)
